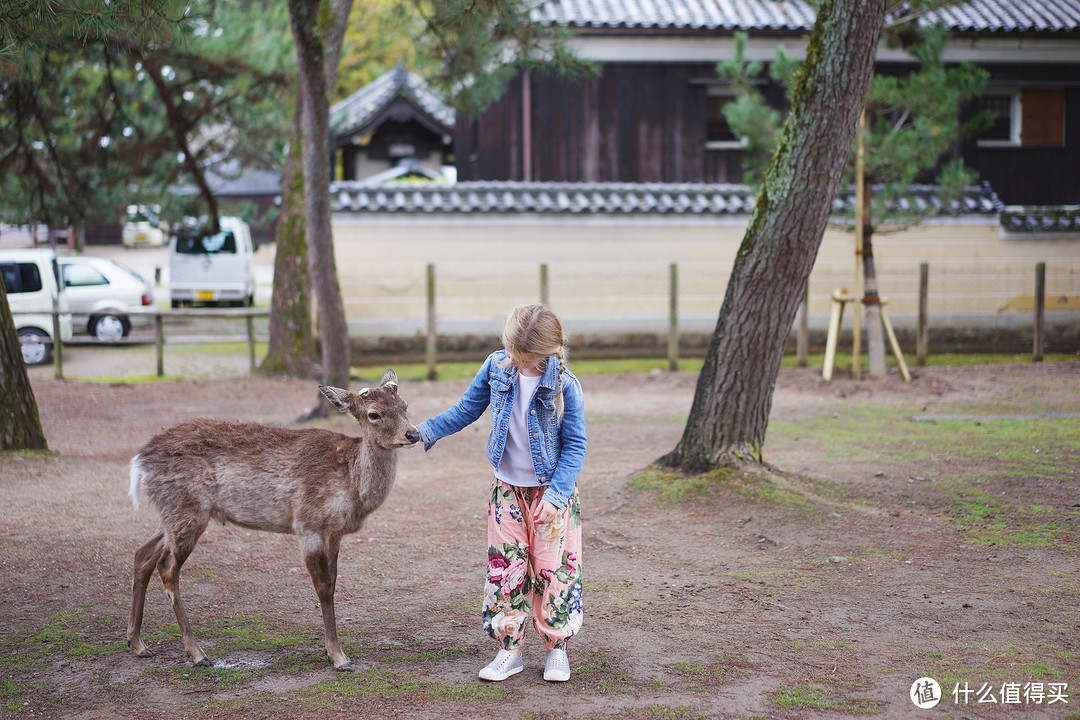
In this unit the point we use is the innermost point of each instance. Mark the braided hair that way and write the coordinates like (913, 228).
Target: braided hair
(532, 334)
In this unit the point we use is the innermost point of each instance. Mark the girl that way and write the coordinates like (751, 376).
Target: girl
(537, 447)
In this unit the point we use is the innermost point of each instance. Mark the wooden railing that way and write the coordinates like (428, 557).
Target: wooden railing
(160, 320)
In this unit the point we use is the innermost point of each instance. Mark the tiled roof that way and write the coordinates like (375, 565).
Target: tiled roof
(797, 15)
(593, 198)
(1041, 219)
(360, 108)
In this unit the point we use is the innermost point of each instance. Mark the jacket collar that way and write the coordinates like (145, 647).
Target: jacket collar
(549, 380)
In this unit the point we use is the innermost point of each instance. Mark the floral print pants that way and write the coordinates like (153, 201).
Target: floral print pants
(534, 570)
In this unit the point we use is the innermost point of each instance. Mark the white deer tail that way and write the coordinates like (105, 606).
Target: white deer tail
(136, 481)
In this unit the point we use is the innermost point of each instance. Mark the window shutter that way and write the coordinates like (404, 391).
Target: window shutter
(1043, 117)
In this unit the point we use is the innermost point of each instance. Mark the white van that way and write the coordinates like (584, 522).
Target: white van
(213, 269)
(33, 285)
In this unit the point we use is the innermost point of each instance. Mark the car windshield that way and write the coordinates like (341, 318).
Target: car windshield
(222, 242)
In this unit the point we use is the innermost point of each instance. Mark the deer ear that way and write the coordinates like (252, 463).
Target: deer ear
(339, 397)
(389, 379)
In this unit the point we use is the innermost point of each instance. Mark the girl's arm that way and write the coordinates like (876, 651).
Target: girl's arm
(572, 457)
(470, 407)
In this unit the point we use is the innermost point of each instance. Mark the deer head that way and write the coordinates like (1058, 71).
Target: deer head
(379, 410)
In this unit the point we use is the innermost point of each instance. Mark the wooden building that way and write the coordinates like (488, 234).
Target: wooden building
(392, 127)
(653, 113)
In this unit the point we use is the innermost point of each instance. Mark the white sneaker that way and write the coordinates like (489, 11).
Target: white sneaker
(503, 666)
(557, 667)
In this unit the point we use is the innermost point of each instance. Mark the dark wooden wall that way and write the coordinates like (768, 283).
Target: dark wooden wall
(645, 122)
(635, 122)
(1034, 175)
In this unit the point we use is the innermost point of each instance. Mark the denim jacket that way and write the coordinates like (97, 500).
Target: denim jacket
(558, 448)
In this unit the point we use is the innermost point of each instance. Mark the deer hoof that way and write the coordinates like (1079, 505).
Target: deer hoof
(344, 667)
(143, 651)
(205, 662)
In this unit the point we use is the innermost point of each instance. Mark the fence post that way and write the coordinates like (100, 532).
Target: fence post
(159, 329)
(250, 321)
(58, 345)
(544, 295)
(673, 317)
(802, 335)
(1040, 311)
(922, 336)
(432, 337)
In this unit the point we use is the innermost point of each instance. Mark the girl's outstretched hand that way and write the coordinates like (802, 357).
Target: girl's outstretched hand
(545, 513)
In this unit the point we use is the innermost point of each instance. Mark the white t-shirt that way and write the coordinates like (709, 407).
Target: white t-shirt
(516, 465)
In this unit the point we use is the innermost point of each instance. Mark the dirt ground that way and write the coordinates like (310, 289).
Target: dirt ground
(923, 529)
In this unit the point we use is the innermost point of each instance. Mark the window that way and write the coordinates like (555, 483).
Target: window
(718, 134)
(82, 276)
(21, 277)
(223, 242)
(1027, 117)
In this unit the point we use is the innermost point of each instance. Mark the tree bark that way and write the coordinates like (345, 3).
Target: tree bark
(292, 350)
(314, 44)
(730, 412)
(20, 424)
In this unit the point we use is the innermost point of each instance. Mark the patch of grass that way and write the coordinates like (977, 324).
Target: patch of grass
(68, 633)
(377, 685)
(598, 672)
(662, 712)
(200, 678)
(719, 670)
(247, 632)
(429, 655)
(674, 488)
(815, 697)
(417, 372)
(989, 520)
(298, 662)
(12, 695)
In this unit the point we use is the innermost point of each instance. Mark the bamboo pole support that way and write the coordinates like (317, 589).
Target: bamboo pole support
(1038, 336)
(922, 337)
(432, 337)
(860, 197)
(673, 317)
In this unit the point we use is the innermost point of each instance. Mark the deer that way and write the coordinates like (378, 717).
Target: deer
(317, 484)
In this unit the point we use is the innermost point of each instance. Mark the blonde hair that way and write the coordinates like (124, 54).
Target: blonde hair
(532, 334)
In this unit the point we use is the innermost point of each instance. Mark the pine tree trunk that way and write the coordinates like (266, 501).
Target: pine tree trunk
(730, 412)
(312, 47)
(292, 350)
(20, 424)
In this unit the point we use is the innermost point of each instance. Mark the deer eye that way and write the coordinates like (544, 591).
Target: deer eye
(373, 416)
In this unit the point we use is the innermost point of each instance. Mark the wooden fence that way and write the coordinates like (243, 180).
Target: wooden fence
(162, 319)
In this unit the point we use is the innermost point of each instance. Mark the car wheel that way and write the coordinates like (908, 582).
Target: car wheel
(36, 346)
(109, 328)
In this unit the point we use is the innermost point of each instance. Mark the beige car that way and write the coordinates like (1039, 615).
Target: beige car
(143, 227)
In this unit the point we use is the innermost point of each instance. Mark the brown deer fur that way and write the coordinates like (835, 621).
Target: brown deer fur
(315, 483)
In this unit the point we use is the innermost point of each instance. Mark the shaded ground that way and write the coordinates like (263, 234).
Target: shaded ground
(893, 550)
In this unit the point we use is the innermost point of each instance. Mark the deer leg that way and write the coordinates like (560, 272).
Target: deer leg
(146, 559)
(169, 569)
(320, 556)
